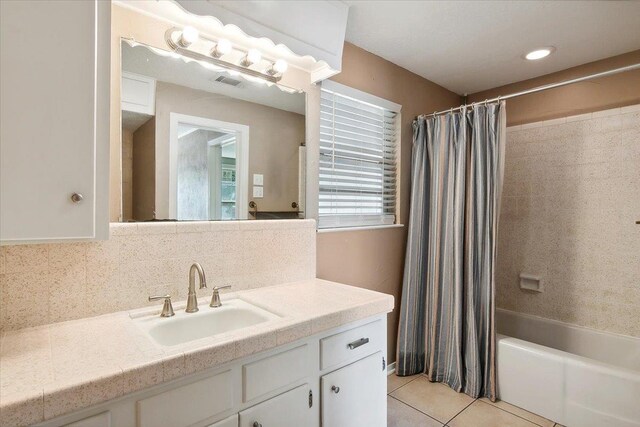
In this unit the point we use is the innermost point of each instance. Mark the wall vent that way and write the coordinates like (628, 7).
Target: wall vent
(228, 81)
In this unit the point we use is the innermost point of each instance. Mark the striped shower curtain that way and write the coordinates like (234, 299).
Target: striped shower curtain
(447, 312)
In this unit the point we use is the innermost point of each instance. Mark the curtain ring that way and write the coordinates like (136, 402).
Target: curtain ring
(485, 102)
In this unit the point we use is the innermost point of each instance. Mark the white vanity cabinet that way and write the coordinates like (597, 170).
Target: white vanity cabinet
(282, 387)
(54, 138)
(351, 397)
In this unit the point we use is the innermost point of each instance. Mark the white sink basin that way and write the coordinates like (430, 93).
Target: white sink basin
(184, 327)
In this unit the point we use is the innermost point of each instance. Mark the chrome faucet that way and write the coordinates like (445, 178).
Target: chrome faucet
(192, 299)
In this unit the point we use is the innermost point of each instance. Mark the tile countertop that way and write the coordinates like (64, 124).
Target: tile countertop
(55, 369)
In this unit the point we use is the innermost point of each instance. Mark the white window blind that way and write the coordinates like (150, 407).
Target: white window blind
(358, 162)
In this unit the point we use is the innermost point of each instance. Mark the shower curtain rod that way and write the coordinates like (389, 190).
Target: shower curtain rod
(541, 88)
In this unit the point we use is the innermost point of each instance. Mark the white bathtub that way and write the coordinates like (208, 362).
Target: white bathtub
(575, 376)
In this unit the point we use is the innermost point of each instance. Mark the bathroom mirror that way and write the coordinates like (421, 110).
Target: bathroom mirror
(200, 142)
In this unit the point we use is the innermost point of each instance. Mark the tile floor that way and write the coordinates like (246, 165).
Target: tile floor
(416, 402)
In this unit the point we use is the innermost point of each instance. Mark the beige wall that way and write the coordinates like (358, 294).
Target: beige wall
(375, 259)
(600, 94)
(570, 201)
(274, 138)
(144, 171)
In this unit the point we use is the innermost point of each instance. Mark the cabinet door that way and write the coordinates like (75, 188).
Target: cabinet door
(290, 409)
(355, 395)
(54, 138)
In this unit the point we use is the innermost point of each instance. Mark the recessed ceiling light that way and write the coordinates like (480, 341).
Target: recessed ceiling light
(539, 53)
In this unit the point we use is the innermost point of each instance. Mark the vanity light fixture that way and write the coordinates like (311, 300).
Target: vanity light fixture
(539, 53)
(253, 56)
(179, 41)
(221, 48)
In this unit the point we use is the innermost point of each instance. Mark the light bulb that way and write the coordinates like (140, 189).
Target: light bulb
(252, 57)
(280, 66)
(223, 47)
(188, 36)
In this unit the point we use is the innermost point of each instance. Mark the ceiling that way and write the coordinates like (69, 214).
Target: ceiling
(470, 46)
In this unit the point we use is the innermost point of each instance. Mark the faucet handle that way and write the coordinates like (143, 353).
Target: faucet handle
(215, 298)
(167, 308)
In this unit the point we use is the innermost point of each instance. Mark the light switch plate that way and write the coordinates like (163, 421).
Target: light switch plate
(258, 179)
(258, 192)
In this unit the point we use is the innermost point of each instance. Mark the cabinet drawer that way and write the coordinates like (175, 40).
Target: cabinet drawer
(273, 372)
(189, 404)
(232, 421)
(352, 344)
(290, 409)
(100, 420)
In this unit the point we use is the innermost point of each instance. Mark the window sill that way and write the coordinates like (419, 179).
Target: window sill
(367, 227)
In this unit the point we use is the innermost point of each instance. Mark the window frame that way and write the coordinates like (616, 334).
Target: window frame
(368, 98)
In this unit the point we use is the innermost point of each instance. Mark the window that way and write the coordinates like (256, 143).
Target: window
(359, 136)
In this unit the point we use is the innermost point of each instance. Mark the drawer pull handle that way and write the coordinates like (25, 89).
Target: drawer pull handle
(256, 424)
(335, 389)
(357, 343)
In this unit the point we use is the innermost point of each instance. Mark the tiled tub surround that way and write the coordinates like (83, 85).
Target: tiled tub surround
(51, 370)
(570, 201)
(47, 283)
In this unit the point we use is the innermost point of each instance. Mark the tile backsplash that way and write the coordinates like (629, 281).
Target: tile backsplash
(54, 282)
(570, 201)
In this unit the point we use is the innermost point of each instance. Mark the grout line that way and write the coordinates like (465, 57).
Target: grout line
(512, 413)
(412, 407)
(515, 415)
(443, 423)
(461, 411)
(408, 382)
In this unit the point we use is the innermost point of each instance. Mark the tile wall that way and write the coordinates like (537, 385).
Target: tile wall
(570, 201)
(47, 283)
